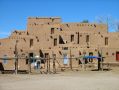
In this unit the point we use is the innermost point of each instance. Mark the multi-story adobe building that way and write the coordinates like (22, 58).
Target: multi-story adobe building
(46, 36)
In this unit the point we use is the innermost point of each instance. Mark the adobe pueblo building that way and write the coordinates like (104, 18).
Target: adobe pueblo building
(46, 37)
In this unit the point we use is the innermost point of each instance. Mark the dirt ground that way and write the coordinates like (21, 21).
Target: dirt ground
(70, 80)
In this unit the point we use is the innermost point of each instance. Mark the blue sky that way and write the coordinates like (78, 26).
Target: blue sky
(14, 13)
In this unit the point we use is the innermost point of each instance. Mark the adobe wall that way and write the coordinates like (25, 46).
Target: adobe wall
(43, 33)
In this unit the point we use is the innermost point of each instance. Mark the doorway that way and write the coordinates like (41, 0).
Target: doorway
(117, 56)
(90, 59)
(32, 60)
(1, 67)
(66, 60)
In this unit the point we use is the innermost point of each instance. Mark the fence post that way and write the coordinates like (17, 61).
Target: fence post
(16, 58)
(29, 65)
(16, 65)
(70, 60)
(47, 70)
(48, 64)
(54, 68)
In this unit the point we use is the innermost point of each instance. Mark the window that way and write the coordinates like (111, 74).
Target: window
(60, 29)
(55, 42)
(31, 55)
(5, 59)
(78, 38)
(20, 33)
(37, 40)
(113, 54)
(72, 38)
(31, 42)
(90, 53)
(79, 52)
(41, 53)
(106, 40)
(87, 38)
(64, 48)
(46, 55)
(21, 50)
(67, 25)
(52, 30)
(27, 33)
(106, 53)
(80, 35)
(61, 40)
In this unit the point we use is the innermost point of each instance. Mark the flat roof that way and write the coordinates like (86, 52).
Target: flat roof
(44, 17)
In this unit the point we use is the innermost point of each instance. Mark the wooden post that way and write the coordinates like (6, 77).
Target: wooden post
(16, 58)
(83, 64)
(84, 60)
(70, 60)
(29, 65)
(47, 69)
(54, 58)
(101, 60)
(48, 64)
(16, 66)
(84, 68)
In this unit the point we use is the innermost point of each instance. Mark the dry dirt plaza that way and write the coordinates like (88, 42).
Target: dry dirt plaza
(70, 80)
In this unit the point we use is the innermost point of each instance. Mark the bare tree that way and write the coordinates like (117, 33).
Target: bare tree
(109, 21)
(117, 28)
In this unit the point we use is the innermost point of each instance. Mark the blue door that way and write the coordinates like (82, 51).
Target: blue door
(66, 60)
